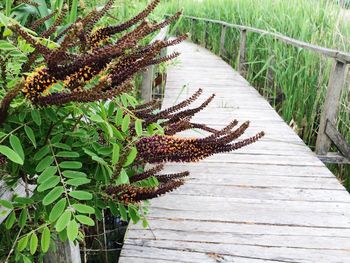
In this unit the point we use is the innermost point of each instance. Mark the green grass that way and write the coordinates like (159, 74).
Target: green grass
(292, 79)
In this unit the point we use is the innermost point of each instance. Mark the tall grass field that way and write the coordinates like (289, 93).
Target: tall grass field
(292, 79)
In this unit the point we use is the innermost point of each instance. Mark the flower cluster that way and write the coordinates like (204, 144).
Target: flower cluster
(133, 194)
(84, 55)
(163, 148)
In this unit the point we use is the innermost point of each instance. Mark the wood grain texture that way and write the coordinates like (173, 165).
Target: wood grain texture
(273, 201)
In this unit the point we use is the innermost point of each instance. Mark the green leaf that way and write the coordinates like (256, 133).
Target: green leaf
(63, 221)
(45, 239)
(85, 220)
(66, 154)
(131, 157)
(115, 154)
(71, 165)
(123, 178)
(84, 209)
(109, 129)
(144, 223)
(124, 100)
(23, 200)
(72, 230)
(30, 135)
(113, 208)
(44, 163)
(17, 146)
(10, 220)
(119, 117)
(96, 118)
(6, 204)
(126, 123)
(99, 160)
(22, 218)
(49, 183)
(26, 259)
(57, 210)
(117, 133)
(36, 116)
(47, 173)
(138, 127)
(42, 153)
(81, 195)
(78, 181)
(123, 212)
(73, 174)
(33, 243)
(62, 146)
(22, 243)
(57, 138)
(11, 154)
(134, 215)
(53, 195)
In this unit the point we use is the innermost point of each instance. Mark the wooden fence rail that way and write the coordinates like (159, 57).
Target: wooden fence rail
(336, 82)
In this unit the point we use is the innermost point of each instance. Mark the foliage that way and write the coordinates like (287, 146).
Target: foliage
(74, 135)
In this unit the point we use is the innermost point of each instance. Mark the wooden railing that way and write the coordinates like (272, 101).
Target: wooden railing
(327, 132)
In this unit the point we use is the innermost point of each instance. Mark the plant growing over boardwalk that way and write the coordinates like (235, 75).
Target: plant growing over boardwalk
(70, 126)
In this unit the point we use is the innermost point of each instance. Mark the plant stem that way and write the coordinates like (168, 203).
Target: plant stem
(13, 246)
(59, 173)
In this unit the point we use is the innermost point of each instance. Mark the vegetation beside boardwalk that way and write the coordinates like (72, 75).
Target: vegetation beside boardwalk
(293, 80)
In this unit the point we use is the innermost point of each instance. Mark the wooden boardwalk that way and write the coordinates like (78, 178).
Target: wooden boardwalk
(273, 201)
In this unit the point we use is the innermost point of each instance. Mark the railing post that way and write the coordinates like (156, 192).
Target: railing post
(242, 53)
(206, 34)
(222, 41)
(331, 105)
(147, 84)
(192, 29)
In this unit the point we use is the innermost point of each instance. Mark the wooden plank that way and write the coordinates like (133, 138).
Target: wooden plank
(235, 252)
(331, 105)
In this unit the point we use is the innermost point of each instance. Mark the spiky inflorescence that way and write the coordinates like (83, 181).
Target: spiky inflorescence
(164, 178)
(133, 194)
(37, 84)
(54, 26)
(117, 60)
(105, 33)
(42, 20)
(163, 148)
(146, 174)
